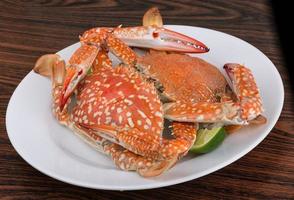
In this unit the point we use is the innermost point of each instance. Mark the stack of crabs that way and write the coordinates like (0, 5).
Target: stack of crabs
(121, 110)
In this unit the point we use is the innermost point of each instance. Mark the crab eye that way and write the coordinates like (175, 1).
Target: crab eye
(155, 34)
(80, 72)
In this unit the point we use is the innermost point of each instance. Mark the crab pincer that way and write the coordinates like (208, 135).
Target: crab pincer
(152, 36)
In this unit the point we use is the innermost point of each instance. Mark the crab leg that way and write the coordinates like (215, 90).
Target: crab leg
(151, 146)
(123, 158)
(127, 160)
(154, 37)
(102, 61)
(245, 87)
(185, 136)
(247, 108)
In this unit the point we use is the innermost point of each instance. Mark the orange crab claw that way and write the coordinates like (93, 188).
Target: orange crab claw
(80, 63)
(70, 73)
(154, 37)
(246, 90)
(159, 38)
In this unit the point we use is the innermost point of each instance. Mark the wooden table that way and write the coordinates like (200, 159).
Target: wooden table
(30, 29)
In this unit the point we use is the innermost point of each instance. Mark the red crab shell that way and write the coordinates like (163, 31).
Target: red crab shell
(121, 98)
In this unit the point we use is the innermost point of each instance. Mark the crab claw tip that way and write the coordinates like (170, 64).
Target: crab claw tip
(180, 42)
(73, 77)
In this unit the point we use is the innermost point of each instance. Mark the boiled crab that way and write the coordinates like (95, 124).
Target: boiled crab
(197, 91)
(117, 110)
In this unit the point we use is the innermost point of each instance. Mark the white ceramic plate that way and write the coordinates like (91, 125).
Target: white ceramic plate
(57, 152)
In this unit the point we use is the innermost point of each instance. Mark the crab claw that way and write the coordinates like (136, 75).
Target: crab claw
(159, 38)
(71, 80)
(80, 63)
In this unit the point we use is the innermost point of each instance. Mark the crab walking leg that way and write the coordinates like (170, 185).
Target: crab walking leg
(104, 37)
(127, 160)
(152, 36)
(121, 50)
(101, 61)
(247, 108)
(203, 112)
(184, 137)
(141, 143)
(123, 158)
(152, 146)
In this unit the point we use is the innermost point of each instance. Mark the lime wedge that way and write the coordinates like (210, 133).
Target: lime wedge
(208, 139)
(90, 71)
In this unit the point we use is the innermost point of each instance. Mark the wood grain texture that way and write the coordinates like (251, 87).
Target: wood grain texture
(29, 29)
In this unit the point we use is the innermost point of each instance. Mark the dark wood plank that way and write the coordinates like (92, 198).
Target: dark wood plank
(29, 29)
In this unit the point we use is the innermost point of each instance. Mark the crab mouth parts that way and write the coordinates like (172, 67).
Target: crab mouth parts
(157, 84)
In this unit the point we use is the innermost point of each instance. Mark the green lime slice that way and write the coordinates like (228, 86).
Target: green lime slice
(208, 139)
(90, 71)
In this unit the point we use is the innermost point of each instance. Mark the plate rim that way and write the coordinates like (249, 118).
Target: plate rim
(190, 177)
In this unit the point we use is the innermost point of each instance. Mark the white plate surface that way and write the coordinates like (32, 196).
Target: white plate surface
(57, 152)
